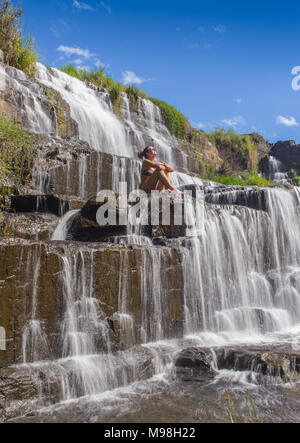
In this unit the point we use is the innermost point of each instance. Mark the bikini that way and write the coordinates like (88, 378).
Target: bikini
(147, 173)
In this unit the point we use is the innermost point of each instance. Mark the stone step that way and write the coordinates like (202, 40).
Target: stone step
(198, 364)
(51, 204)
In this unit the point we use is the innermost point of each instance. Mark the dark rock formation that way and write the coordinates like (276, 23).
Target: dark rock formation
(288, 152)
(60, 112)
(280, 363)
(86, 228)
(39, 203)
(254, 198)
(262, 145)
(192, 364)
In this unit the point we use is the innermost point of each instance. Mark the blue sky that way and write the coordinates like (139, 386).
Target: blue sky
(221, 63)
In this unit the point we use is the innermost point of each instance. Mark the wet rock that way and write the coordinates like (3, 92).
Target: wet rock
(192, 364)
(272, 363)
(288, 152)
(262, 145)
(86, 227)
(32, 226)
(254, 198)
(35, 271)
(9, 110)
(39, 203)
(68, 166)
(60, 113)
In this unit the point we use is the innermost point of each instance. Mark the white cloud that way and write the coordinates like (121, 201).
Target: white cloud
(234, 121)
(219, 28)
(106, 7)
(68, 51)
(238, 100)
(129, 77)
(199, 125)
(82, 5)
(286, 121)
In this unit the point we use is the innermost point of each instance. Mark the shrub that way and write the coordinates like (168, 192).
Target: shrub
(16, 151)
(114, 93)
(18, 51)
(243, 179)
(236, 150)
(176, 122)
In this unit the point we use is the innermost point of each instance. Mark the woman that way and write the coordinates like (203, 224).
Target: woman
(155, 176)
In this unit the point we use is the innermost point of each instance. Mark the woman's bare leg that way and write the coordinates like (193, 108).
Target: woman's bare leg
(153, 181)
(160, 186)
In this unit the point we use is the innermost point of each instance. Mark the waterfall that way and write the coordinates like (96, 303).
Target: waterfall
(25, 94)
(278, 173)
(34, 340)
(62, 229)
(125, 309)
(242, 275)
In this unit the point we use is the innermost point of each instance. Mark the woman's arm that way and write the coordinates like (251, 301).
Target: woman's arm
(166, 167)
(152, 164)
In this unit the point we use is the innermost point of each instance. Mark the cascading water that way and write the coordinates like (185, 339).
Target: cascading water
(63, 227)
(278, 173)
(25, 96)
(242, 275)
(240, 271)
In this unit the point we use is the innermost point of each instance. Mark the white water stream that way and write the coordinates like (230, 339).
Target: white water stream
(241, 274)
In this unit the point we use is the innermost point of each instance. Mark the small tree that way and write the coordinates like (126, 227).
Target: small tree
(18, 52)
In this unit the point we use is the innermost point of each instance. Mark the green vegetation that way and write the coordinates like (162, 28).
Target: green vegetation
(235, 148)
(250, 414)
(243, 179)
(295, 176)
(176, 122)
(16, 155)
(101, 80)
(210, 170)
(18, 51)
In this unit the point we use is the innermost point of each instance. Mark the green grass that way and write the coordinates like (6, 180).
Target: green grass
(16, 151)
(176, 122)
(19, 52)
(235, 147)
(100, 79)
(243, 179)
(295, 176)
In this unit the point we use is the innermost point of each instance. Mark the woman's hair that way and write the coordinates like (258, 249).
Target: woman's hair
(142, 154)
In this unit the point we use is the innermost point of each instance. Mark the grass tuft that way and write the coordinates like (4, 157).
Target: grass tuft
(18, 51)
(176, 122)
(16, 151)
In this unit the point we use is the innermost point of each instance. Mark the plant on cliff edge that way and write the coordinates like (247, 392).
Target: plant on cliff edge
(16, 151)
(176, 122)
(18, 51)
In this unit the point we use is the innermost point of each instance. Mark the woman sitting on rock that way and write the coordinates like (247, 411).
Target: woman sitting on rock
(155, 175)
